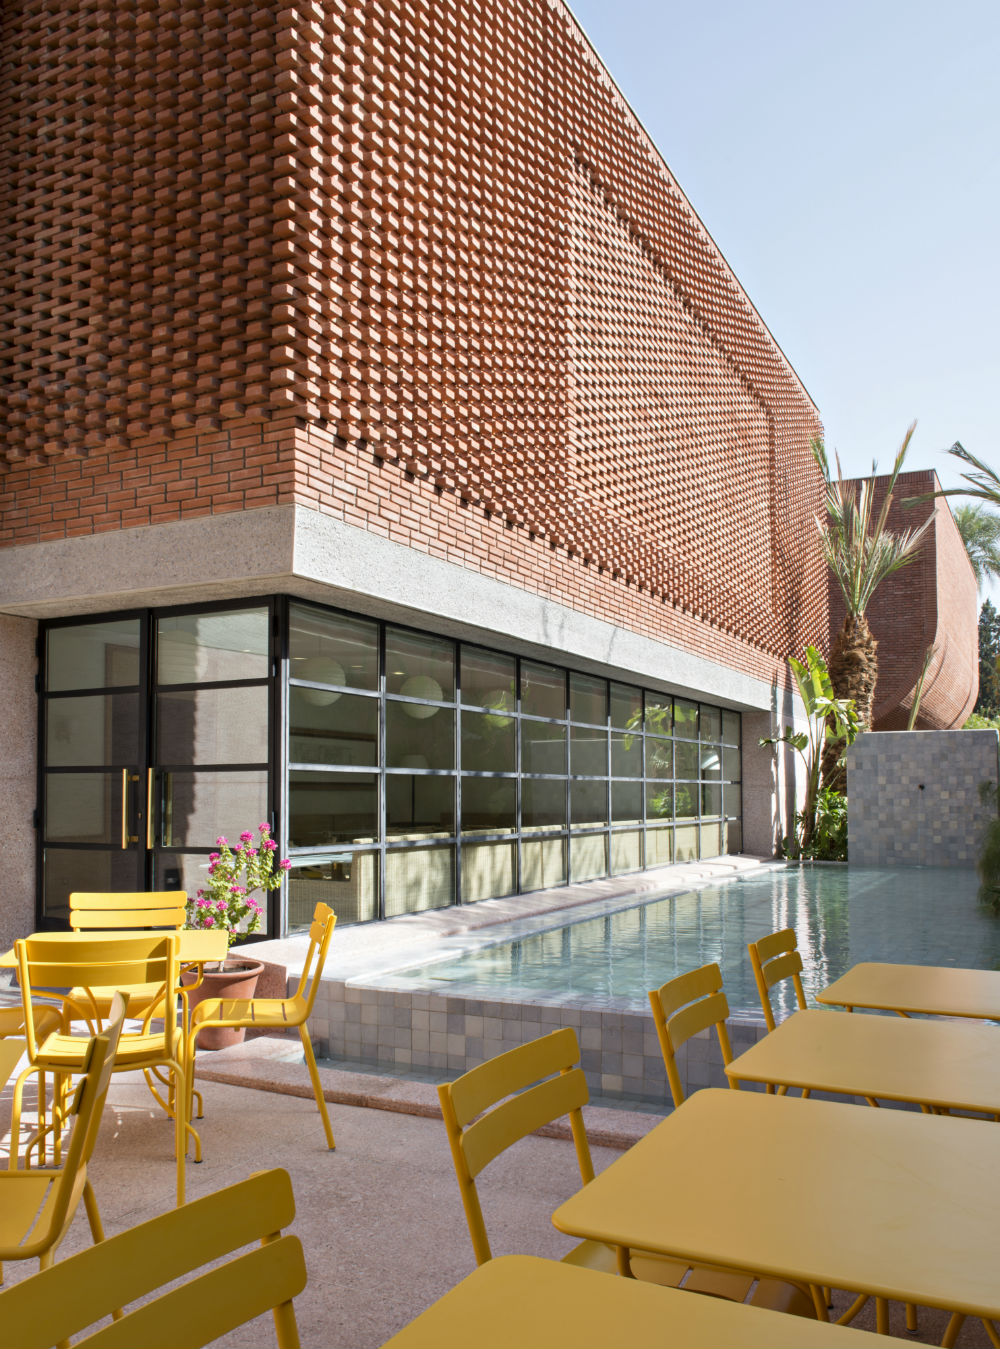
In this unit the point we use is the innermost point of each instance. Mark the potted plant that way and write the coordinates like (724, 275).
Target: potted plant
(235, 875)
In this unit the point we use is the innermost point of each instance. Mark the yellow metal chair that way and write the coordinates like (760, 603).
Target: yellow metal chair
(493, 1106)
(100, 962)
(48, 1308)
(37, 1207)
(775, 958)
(278, 1013)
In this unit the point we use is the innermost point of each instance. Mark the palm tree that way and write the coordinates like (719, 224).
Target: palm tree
(861, 552)
(980, 531)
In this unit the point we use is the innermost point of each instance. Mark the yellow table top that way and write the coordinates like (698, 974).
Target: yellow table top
(541, 1304)
(10, 1052)
(944, 1063)
(935, 990)
(198, 946)
(897, 1203)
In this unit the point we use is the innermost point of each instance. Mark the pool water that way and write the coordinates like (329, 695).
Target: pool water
(842, 915)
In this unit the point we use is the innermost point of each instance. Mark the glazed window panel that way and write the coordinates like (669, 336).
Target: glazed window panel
(418, 736)
(659, 759)
(330, 808)
(731, 769)
(711, 799)
(588, 857)
(489, 871)
(419, 666)
(543, 804)
(659, 847)
(342, 729)
(543, 690)
(192, 807)
(660, 799)
(588, 699)
(69, 869)
(626, 852)
(83, 808)
(489, 742)
(489, 805)
(209, 647)
(488, 679)
(347, 881)
(211, 725)
(543, 864)
(588, 803)
(626, 707)
(419, 805)
(685, 719)
(730, 727)
(711, 723)
(626, 756)
(626, 802)
(686, 800)
(588, 752)
(686, 762)
(91, 732)
(543, 747)
(733, 801)
(93, 655)
(658, 713)
(710, 762)
(332, 649)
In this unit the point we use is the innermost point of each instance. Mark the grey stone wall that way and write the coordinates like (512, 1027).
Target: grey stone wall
(17, 776)
(914, 797)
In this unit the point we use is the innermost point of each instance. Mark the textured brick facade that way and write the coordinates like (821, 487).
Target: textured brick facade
(417, 267)
(933, 600)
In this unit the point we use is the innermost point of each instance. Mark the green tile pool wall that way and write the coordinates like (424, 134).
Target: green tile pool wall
(620, 1053)
(914, 797)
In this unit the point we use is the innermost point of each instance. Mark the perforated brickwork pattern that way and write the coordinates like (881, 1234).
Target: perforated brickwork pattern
(414, 265)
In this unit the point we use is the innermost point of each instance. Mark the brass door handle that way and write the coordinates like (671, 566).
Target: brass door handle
(149, 808)
(127, 838)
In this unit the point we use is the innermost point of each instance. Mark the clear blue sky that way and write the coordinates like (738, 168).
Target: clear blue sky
(846, 159)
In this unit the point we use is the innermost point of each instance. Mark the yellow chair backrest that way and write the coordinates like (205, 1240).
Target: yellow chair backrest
(50, 1307)
(774, 958)
(516, 1102)
(105, 910)
(88, 1104)
(320, 931)
(48, 962)
(683, 1007)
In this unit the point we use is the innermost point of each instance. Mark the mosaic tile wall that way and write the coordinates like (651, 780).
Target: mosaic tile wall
(412, 264)
(619, 1050)
(915, 797)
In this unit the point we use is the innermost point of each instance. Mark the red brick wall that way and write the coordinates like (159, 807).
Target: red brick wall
(933, 600)
(414, 266)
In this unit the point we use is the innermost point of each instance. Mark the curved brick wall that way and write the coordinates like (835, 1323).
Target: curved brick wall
(933, 600)
(415, 266)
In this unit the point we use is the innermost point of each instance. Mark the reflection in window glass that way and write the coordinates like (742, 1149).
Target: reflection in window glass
(588, 803)
(543, 747)
(659, 758)
(68, 869)
(419, 805)
(489, 805)
(685, 719)
(711, 799)
(626, 801)
(733, 799)
(194, 806)
(543, 804)
(417, 666)
(731, 764)
(93, 731)
(626, 706)
(488, 742)
(206, 726)
(419, 878)
(686, 800)
(660, 800)
(347, 881)
(93, 655)
(588, 699)
(419, 741)
(710, 762)
(711, 723)
(83, 808)
(658, 713)
(659, 847)
(328, 808)
(200, 648)
(731, 727)
(543, 690)
(588, 755)
(686, 843)
(488, 679)
(344, 731)
(713, 839)
(331, 649)
(626, 756)
(686, 761)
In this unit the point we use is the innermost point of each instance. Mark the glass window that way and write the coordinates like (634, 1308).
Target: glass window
(488, 871)
(331, 649)
(626, 756)
(711, 723)
(419, 805)
(543, 804)
(685, 719)
(626, 706)
(686, 800)
(418, 736)
(201, 648)
(488, 679)
(626, 801)
(342, 731)
(347, 881)
(83, 808)
(660, 800)
(588, 699)
(489, 805)
(93, 655)
(194, 806)
(659, 758)
(418, 666)
(92, 731)
(543, 747)
(209, 725)
(731, 764)
(711, 799)
(588, 755)
(731, 727)
(419, 878)
(68, 869)
(543, 690)
(713, 840)
(588, 803)
(657, 714)
(686, 762)
(710, 762)
(686, 843)
(326, 808)
(733, 800)
(488, 742)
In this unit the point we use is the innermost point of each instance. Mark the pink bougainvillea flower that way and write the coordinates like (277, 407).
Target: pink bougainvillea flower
(208, 920)
(264, 828)
(204, 903)
(284, 864)
(222, 841)
(213, 856)
(246, 836)
(270, 845)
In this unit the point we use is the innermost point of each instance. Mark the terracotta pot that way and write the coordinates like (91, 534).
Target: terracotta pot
(237, 980)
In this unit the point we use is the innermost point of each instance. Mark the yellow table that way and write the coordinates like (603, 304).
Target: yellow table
(10, 1053)
(939, 1063)
(898, 1204)
(934, 990)
(198, 946)
(541, 1304)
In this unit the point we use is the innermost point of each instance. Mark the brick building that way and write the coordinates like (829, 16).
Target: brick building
(388, 452)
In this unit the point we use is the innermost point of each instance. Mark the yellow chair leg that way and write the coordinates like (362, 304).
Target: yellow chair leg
(317, 1085)
(951, 1333)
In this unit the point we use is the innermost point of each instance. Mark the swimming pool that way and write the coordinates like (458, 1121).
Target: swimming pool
(842, 915)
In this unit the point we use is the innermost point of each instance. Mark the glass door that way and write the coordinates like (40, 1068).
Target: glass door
(93, 739)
